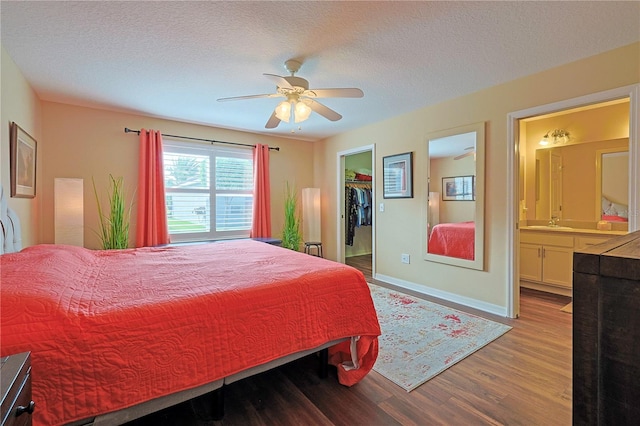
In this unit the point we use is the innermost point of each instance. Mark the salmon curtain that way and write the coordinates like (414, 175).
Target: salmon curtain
(261, 193)
(152, 228)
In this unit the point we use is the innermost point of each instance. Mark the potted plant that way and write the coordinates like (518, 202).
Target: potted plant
(114, 226)
(291, 237)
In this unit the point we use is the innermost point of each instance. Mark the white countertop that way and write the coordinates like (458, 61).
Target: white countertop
(567, 230)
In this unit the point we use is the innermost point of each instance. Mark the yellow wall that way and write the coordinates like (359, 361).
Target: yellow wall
(21, 105)
(398, 227)
(90, 143)
(83, 142)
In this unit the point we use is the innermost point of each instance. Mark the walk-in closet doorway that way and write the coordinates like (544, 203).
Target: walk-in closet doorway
(356, 206)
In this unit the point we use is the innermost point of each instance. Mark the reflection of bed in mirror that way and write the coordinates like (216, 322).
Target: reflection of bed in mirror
(453, 240)
(614, 212)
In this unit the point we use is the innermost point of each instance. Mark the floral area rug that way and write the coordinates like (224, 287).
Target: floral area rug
(421, 339)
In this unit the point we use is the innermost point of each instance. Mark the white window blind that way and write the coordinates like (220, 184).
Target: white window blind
(208, 190)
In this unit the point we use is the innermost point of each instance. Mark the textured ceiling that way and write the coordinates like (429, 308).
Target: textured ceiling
(173, 59)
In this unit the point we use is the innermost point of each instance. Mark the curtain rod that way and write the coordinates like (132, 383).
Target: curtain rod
(128, 130)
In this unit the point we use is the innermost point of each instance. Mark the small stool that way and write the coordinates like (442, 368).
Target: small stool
(313, 244)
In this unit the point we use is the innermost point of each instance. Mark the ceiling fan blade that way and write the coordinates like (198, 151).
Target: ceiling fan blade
(273, 121)
(324, 111)
(334, 93)
(279, 81)
(466, 154)
(239, 98)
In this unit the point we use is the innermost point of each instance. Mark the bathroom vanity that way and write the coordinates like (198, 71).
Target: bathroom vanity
(546, 255)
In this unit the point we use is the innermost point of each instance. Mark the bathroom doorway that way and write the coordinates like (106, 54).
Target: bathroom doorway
(516, 172)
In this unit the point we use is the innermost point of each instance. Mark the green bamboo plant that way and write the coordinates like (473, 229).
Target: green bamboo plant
(291, 236)
(114, 226)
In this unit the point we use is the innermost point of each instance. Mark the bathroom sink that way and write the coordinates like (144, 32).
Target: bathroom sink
(551, 228)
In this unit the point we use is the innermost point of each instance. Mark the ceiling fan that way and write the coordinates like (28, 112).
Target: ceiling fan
(300, 100)
(470, 151)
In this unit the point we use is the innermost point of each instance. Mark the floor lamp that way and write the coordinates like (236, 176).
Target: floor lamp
(311, 232)
(69, 211)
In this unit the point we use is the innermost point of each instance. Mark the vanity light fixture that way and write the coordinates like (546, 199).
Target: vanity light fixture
(555, 137)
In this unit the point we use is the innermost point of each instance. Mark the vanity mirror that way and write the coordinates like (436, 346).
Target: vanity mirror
(583, 182)
(454, 214)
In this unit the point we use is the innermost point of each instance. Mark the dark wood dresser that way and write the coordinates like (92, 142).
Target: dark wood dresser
(15, 381)
(606, 333)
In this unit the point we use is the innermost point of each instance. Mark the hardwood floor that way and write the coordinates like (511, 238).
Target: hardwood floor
(522, 378)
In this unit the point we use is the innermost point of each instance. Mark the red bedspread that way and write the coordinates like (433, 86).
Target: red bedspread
(110, 329)
(453, 240)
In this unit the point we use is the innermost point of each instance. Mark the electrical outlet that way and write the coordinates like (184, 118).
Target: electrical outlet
(404, 258)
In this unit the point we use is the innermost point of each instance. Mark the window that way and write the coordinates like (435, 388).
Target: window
(208, 190)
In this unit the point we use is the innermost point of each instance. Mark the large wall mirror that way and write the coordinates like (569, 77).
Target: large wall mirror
(583, 182)
(455, 200)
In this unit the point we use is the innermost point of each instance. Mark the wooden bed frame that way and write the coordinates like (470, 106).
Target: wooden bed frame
(215, 388)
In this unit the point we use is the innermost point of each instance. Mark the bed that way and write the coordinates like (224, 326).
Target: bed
(116, 334)
(614, 212)
(453, 240)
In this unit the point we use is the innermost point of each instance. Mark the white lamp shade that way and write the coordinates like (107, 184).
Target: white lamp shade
(302, 111)
(311, 215)
(283, 111)
(69, 211)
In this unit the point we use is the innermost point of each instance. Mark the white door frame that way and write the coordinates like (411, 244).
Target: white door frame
(513, 164)
(340, 240)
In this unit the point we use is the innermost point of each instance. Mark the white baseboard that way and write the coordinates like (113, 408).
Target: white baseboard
(450, 297)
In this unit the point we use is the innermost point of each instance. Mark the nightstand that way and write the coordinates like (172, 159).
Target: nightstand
(15, 381)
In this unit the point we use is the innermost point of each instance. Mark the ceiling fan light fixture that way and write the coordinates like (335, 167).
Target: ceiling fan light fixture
(283, 111)
(300, 100)
(302, 112)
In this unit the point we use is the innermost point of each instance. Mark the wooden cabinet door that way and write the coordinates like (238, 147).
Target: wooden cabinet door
(557, 266)
(530, 262)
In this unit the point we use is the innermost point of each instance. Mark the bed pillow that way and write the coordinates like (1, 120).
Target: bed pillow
(609, 208)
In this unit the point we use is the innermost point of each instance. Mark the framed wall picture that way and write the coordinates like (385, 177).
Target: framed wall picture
(458, 188)
(23, 150)
(397, 175)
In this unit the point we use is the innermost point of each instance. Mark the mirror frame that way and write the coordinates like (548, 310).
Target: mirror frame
(478, 262)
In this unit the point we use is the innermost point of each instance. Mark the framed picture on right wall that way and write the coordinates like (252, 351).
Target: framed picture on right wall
(458, 188)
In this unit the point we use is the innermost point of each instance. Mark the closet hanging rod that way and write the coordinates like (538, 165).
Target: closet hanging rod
(212, 141)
